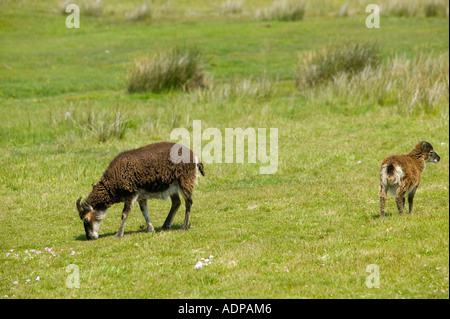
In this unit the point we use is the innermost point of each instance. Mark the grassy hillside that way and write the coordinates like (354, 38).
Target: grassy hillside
(309, 230)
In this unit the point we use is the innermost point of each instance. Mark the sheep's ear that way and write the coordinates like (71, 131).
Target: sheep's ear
(426, 147)
(86, 206)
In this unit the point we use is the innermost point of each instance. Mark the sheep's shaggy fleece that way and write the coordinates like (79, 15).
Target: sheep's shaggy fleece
(149, 167)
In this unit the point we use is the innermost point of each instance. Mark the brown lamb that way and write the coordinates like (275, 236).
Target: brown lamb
(400, 175)
(141, 174)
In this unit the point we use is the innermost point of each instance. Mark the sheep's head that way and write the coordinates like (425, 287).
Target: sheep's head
(92, 218)
(429, 154)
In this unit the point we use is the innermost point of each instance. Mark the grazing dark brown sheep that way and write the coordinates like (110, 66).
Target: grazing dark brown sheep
(400, 175)
(141, 174)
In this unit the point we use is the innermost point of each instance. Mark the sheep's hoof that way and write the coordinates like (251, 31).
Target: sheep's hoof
(118, 236)
(150, 228)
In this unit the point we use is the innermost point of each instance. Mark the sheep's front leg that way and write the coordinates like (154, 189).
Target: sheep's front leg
(411, 199)
(129, 203)
(143, 206)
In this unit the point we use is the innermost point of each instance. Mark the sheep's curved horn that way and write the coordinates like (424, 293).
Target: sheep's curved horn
(82, 206)
(79, 208)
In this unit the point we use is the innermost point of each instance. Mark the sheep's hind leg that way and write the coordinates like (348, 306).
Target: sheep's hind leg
(400, 201)
(143, 206)
(382, 200)
(186, 192)
(176, 203)
(188, 202)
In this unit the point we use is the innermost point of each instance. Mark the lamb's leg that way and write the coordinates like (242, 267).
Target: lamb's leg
(129, 203)
(383, 195)
(410, 199)
(188, 202)
(143, 206)
(176, 203)
(400, 201)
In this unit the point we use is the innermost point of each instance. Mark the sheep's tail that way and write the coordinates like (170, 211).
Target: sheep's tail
(200, 166)
(390, 170)
(391, 174)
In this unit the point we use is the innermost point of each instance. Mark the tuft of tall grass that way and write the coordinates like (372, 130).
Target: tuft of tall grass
(343, 11)
(232, 6)
(179, 68)
(104, 126)
(409, 86)
(402, 8)
(255, 88)
(435, 8)
(62, 7)
(322, 65)
(141, 12)
(283, 10)
(93, 8)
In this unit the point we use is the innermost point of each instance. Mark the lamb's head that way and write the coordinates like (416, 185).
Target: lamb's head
(428, 152)
(92, 218)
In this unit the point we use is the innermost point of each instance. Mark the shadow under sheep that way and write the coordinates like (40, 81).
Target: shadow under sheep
(82, 237)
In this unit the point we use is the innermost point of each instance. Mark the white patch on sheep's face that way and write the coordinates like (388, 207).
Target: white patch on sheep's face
(433, 157)
(92, 222)
(95, 228)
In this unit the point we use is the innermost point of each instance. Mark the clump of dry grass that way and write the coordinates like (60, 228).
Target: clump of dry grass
(93, 8)
(62, 6)
(322, 65)
(436, 8)
(103, 126)
(402, 8)
(410, 86)
(178, 68)
(420, 85)
(141, 12)
(255, 88)
(343, 11)
(232, 6)
(283, 10)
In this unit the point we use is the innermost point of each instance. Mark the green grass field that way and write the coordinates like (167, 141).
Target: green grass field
(307, 231)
